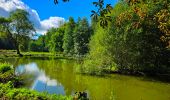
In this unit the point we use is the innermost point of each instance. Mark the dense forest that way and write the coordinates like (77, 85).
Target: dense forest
(136, 40)
(131, 37)
(71, 38)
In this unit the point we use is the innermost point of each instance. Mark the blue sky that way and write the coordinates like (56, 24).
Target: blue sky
(74, 8)
(44, 14)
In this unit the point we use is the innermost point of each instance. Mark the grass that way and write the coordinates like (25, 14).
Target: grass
(8, 53)
(12, 53)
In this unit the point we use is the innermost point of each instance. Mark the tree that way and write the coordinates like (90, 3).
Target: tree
(5, 39)
(102, 13)
(4, 27)
(18, 27)
(82, 35)
(68, 44)
(56, 41)
(136, 40)
(38, 45)
(48, 36)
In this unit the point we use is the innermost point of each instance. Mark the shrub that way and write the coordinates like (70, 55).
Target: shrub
(7, 74)
(4, 67)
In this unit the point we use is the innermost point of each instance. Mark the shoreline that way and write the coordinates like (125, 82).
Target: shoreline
(47, 55)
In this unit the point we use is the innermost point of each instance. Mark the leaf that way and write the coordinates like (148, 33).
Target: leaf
(55, 1)
(96, 4)
(65, 0)
(109, 8)
(91, 15)
(93, 11)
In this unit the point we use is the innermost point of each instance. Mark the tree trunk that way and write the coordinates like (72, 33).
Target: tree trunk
(18, 51)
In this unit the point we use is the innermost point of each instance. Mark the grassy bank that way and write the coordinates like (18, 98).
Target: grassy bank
(90, 66)
(100, 71)
(13, 53)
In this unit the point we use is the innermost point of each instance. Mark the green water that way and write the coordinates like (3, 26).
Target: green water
(57, 76)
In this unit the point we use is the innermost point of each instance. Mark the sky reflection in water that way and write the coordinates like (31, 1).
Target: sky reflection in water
(42, 82)
(57, 76)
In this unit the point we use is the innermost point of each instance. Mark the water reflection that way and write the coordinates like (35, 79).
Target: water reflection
(42, 82)
(30, 68)
(58, 76)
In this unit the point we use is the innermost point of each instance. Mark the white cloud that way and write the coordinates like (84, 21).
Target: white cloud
(43, 78)
(51, 22)
(6, 6)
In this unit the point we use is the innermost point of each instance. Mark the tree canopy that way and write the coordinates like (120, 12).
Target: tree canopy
(18, 27)
(136, 40)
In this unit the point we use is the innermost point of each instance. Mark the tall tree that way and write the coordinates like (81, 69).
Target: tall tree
(56, 42)
(38, 44)
(5, 40)
(68, 44)
(48, 36)
(82, 35)
(18, 27)
(137, 39)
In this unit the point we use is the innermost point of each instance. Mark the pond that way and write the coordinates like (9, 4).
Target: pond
(58, 76)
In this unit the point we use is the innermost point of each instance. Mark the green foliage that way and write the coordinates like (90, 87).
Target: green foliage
(72, 38)
(102, 12)
(48, 35)
(38, 45)
(135, 41)
(6, 43)
(4, 67)
(8, 92)
(21, 27)
(18, 28)
(99, 57)
(6, 72)
(82, 34)
(33, 46)
(56, 41)
(68, 44)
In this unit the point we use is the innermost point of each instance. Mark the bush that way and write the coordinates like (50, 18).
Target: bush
(4, 67)
(136, 41)
(7, 74)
